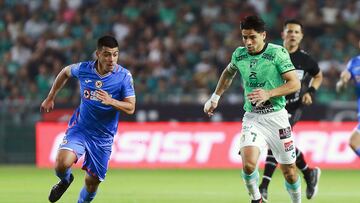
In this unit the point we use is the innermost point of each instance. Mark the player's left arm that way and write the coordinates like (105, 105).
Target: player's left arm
(127, 105)
(313, 87)
(292, 85)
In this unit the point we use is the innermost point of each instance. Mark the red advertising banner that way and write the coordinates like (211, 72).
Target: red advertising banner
(202, 145)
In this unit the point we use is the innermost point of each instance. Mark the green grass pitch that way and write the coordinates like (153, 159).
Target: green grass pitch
(25, 184)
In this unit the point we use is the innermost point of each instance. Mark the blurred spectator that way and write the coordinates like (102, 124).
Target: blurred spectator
(175, 49)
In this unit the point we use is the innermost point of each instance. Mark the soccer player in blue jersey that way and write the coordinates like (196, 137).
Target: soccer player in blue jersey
(352, 72)
(106, 88)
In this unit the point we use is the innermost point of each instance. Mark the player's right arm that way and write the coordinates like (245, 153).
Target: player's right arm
(223, 84)
(345, 77)
(48, 104)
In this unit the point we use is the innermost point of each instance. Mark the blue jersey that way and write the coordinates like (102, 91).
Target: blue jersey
(354, 68)
(92, 117)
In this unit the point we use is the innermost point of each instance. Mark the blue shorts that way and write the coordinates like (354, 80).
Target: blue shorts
(97, 151)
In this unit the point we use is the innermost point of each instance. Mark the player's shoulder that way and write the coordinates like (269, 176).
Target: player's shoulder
(122, 71)
(303, 54)
(240, 50)
(240, 53)
(355, 59)
(302, 51)
(275, 48)
(83, 64)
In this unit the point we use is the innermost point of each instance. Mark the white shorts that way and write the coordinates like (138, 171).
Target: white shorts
(272, 130)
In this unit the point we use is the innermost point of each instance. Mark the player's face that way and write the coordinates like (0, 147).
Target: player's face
(253, 40)
(107, 58)
(292, 35)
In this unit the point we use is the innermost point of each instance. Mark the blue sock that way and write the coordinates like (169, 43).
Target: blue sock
(64, 176)
(86, 196)
(357, 151)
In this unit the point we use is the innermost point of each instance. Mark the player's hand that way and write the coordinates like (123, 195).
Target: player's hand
(340, 85)
(47, 105)
(211, 104)
(258, 96)
(307, 99)
(103, 96)
(209, 107)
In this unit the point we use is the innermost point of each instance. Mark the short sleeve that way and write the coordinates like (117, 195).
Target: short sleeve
(349, 67)
(283, 61)
(74, 68)
(128, 89)
(233, 61)
(314, 67)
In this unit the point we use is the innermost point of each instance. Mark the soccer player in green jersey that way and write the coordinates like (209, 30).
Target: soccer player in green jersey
(267, 76)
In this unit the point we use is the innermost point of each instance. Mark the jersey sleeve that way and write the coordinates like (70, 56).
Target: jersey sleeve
(74, 68)
(234, 57)
(349, 67)
(128, 89)
(314, 67)
(283, 61)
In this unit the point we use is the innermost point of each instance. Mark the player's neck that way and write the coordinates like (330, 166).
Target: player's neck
(100, 69)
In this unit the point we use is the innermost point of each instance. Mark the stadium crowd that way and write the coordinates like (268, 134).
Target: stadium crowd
(174, 49)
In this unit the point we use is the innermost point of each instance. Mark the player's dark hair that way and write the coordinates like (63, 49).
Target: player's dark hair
(293, 21)
(107, 41)
(253, 22)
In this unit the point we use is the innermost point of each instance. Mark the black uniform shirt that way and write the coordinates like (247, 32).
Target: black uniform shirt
(306, 68)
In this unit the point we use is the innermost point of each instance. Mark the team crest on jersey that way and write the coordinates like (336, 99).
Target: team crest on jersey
(253, 63)
(98, 84)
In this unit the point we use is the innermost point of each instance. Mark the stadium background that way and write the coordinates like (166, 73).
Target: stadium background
(175, 51)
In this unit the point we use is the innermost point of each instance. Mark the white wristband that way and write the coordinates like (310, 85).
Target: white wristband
(215, 98)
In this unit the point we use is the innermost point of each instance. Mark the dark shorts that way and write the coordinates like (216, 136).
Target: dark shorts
(294, 116)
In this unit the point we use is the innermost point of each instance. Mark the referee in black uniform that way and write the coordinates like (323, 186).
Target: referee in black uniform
(311, 77)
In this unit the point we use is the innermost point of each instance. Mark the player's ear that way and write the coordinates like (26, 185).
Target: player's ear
(264, 35)
(283, 35)
(97, 53)
(301, 36)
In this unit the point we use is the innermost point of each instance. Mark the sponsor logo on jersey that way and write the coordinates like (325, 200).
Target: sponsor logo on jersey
(262, 109)
(88, 94)
(87, 81)
(289, 146)
(252, 75)
(98, 84)
(268, 57)
(256, 84)
(241, 57)
(285, 133)
(289, 65)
